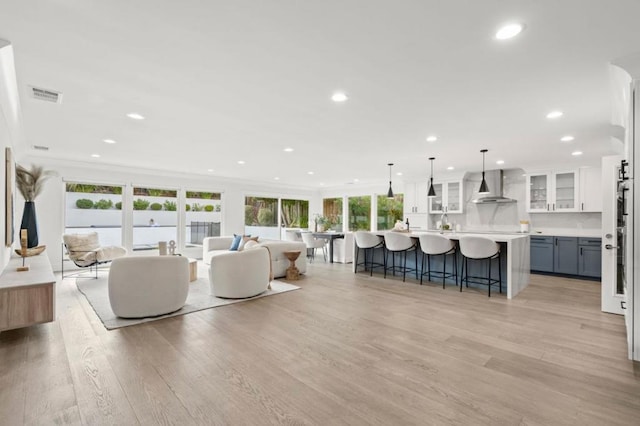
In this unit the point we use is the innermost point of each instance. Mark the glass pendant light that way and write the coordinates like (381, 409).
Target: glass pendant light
(484, 188)
(432, 191)
(390, 193)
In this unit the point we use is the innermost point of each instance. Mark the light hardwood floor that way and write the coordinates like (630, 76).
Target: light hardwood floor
(344, 350)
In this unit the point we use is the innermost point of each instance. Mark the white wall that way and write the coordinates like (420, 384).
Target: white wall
(50, 206)
(10, 130)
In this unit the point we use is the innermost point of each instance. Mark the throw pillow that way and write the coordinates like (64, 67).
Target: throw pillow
(237, 239)
(245, 240)
(251, 244)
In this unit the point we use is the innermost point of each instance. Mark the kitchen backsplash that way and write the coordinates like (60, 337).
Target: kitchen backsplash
(507, 216)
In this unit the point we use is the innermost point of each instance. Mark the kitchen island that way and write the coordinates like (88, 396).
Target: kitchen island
(515, 256)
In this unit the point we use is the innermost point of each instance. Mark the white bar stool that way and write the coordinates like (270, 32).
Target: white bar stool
(398, 243)
(368, 242)
(437, 245)
(480, 248)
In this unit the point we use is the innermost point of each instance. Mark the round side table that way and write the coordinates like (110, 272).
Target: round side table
(292, 271)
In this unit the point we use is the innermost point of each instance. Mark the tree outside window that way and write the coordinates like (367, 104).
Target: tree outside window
(360, 213)
(332, 213)
(389, 211)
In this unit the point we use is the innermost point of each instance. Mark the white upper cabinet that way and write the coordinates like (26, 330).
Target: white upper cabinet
(550, 192)
(448, 197)
(415, 197)
(590, 189)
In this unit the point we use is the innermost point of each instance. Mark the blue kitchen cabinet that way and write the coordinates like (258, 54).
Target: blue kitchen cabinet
(589, 257)
(541, 249)
(565, 255)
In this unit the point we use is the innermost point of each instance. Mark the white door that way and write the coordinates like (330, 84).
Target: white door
(612, 293)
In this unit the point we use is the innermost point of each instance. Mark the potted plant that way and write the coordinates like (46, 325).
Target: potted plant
(30, 184)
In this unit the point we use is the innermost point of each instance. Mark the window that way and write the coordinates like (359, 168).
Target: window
(261, 217)
(360, 213)
(155, 217)
(203, 216)
(94, 208)
(389, 211)
(295, 213)
(332, 211)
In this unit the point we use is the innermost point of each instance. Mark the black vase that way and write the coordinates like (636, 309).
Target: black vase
(30, 224)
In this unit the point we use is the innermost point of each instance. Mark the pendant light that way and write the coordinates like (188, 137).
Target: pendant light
(390, 193)
(484, 188)
(432, 191)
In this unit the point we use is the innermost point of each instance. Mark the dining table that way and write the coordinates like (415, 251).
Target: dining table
(331, 236)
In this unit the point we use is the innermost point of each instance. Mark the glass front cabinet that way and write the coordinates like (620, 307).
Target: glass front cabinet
(448, 197)
(552, 192)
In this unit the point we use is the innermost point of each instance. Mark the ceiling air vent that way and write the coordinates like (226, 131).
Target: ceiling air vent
(41, 147)
(45, 95)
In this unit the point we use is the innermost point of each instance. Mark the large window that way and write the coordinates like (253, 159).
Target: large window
(295, 213)
(155, 217)
(261, 217)
(332, 213)
(389, 211)
(360, 213)
(94, 208)
(203, 216)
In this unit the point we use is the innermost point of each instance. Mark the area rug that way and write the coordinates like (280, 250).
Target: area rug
(97, 295)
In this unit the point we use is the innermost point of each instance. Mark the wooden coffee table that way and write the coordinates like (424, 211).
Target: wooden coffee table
(293, 273)
(193, 269)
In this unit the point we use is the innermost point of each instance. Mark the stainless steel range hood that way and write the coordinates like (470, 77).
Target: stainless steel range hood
(494, 180)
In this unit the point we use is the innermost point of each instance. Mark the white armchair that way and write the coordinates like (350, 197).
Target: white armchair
(147, 286)
(237, 275)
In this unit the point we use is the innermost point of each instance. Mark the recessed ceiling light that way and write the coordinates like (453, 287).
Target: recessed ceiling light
(288, 150)
(509, 31)
(432, 138)
(95, 155)
(555, 114)
(576, 153)
(356, 180)
(276, 178)
(135, 116)
(450, 168)
(399, 174)
(500, 162)
(111, 141)
(321, 183)
(309, 173)
(240, 161)
(209, 170)
(339, 97)
(567, 138)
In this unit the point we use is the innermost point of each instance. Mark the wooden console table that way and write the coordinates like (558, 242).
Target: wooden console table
(27, 298)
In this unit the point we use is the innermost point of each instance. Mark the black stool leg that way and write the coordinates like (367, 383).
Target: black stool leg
(490, 262)
(500, 270)
(444, 270)
(422, 268)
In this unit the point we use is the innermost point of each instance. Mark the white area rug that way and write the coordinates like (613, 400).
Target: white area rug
(97, 295)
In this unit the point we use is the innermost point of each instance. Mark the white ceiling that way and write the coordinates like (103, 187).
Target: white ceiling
(222, 81)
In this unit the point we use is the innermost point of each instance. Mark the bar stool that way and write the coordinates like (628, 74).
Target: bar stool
(437, 245)
(480, 248)
(398, 243)
(368, 242)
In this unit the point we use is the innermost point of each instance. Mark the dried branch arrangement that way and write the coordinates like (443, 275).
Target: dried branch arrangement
(31, 182)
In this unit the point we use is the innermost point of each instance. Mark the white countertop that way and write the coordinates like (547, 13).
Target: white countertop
(493, 235)
(568, 232)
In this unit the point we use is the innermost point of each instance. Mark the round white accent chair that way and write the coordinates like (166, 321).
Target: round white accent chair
(399, 243)
(148, 286)
(437, 245)
(240, 274)
(480, 248)
(368, 242)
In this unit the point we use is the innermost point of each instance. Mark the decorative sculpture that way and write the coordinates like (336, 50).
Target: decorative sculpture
(23, 250)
